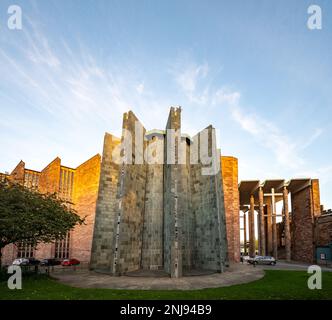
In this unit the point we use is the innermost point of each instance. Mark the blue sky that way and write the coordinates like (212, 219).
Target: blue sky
(250, 68)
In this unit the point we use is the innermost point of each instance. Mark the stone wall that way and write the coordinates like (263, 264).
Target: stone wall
(167, 216)
(208, 208)
(131, 203)
(188, 235)
(152, 247)
(102, 254)
(172, 203)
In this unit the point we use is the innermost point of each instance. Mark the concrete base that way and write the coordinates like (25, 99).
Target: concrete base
(236, 274)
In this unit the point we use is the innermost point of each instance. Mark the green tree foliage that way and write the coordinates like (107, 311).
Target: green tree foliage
(30, 216)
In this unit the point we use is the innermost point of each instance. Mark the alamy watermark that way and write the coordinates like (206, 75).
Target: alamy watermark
(169, 147)
(15, 280)
(14, 21)
(315, 17)
(315, 281)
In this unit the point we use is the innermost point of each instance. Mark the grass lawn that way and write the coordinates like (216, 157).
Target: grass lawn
(275, 285)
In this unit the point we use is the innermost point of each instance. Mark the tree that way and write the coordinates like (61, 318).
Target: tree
(33, 217)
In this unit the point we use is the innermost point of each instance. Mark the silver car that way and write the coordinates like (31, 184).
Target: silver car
(262, 260)
(20, 262)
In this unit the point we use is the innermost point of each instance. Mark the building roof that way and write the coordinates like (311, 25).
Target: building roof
(251, 187)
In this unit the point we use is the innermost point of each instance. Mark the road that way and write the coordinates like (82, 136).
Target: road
(283, 265)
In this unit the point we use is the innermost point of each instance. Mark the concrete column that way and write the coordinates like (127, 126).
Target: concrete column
(245, 233)
(287, 225)
(258, 233)
(269, 248)
(274, 226)
(261, 225)
(252, 227)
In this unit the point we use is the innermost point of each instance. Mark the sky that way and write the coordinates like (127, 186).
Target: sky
(252, 69)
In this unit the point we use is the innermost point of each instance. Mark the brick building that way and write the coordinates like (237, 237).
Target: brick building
(301, 227)
(323, 237)
(79, 186)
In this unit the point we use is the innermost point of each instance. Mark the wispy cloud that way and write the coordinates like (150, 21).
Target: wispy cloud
(70, 85)
(269, 136)
(195, 83)
(225, 97)
(190, 78)
(316, 134)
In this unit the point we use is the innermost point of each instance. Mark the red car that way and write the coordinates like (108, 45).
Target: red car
(70, 262)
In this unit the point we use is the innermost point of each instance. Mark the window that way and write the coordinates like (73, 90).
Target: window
(31, 179)
(25, 249)
(62, 248)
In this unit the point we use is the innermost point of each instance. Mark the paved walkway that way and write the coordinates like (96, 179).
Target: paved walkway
(236, 274)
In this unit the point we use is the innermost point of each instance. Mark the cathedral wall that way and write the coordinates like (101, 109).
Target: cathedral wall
(187, 214)
(208, 207)
(152, 247)
(131, 203)
(102, 255)
(172, 200)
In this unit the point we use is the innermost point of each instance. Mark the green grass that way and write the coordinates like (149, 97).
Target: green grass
(275, 285)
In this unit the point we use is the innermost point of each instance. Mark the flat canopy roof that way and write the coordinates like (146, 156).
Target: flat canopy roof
(247, 188)
(298, 184)
(277, 184)
(251, 187)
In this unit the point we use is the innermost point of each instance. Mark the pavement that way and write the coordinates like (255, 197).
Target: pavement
(143, 280)
(235, 274)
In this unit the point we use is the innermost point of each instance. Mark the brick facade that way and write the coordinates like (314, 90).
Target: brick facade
(85, 192)
(231, 193)
(78, 186)
(323, 229)
(305, 208)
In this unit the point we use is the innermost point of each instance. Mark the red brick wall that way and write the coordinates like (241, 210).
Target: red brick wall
(316, 207)
(85, 194)
(44, 251)
(17, 174)
(302, 226)
(9, 254)
(324, 230)
(229, 167)
(50, 177)
(86, 182)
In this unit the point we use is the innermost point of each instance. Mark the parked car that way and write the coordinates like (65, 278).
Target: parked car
(50, 262)
(70, 262)
(26, 262)
(244, 258)
(33, 262)
(21, 262)
(262, 260)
